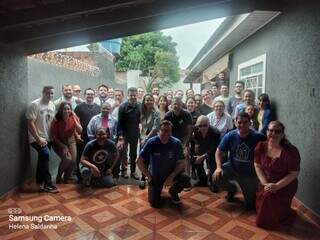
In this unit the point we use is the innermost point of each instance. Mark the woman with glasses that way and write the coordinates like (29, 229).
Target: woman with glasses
(206, 140)
(277, 164)
(266, 114)
(220, 119)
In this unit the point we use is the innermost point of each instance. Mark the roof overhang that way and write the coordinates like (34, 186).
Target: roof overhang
(230, 33)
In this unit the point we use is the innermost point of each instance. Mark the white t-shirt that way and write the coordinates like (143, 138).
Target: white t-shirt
(43, 115)
(223, 124)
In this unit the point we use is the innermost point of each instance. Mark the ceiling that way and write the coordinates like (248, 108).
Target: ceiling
(43, 25)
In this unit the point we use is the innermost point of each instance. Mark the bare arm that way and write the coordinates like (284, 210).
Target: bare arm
(181, 164)
(260, 174)
(143, 167)
(273, 187)
(77, 123)
(93, 168)
(34, 132)
(218, 172)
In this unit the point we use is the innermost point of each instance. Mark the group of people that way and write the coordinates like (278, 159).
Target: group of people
(219, 141)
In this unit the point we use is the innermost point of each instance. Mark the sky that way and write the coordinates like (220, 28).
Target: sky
(191, 38)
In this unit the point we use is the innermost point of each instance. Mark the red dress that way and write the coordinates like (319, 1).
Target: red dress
(274, 209)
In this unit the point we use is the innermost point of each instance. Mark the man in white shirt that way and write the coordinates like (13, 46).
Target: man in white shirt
(67, 96)
(40, 114)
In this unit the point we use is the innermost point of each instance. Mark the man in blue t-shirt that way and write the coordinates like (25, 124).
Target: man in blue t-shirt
(240, 144)
(166, 160)
(98, 160)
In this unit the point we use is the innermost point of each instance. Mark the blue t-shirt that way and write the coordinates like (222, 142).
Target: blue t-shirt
(241, 149)
(162, 158)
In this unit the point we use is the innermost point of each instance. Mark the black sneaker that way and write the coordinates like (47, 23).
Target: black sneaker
(50, 189)
(142, 184)
(214, 188)
(175, 198)
(134, 176)
(124, 175)
(230, 197)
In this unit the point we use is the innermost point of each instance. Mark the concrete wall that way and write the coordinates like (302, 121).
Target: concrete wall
(291, 43)
(14, 149)
(41, 74)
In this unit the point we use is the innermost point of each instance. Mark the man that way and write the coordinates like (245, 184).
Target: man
(128, 129)
(224, 94)
(118, 100)
(203, 147)
(67, 96)
(76, 89)
(198, 99)
(164, 155)
(85, 111)
(103, 95)
(206, 106)
(239, 145)
(181, 121)
(214, 91)
(103, 120)
(111, 93)
(140, 94)
(40, 114)
(221, 80)
(179, 94)
(155, 91)
(189, 93)
(235, 100)
(98, 160)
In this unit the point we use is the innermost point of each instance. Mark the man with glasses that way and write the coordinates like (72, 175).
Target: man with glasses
(164, 155)
(203, 147)
(77, 93)
(239, 144)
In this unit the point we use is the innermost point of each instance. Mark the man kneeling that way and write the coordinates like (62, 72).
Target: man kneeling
(163, 163)
(98, 160)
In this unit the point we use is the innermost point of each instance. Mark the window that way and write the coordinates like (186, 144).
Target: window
(253, 73)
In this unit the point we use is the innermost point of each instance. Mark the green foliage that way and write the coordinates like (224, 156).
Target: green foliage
(152, 53)
(93, 47)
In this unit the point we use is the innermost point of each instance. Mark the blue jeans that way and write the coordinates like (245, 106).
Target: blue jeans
(103, 181)
(42, 174)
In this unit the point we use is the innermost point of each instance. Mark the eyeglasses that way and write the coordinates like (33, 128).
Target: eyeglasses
(274, 131)
(201, 126)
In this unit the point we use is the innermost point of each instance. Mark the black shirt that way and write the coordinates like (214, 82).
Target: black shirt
(180, 123)
(85, 112)
(205, 109)
(129, 120)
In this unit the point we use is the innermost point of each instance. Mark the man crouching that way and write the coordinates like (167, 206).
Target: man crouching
(163, 163)
(98, 160)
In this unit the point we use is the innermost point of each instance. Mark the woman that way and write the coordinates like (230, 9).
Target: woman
(150, 125)
(253, 117)
(265, 115)
(163, 106)
(248, 99)
(220, 119)
(277, 164)
(64, 128)
(191, 108)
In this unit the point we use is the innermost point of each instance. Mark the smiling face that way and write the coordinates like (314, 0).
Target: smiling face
(103, 92)
(148, 102)
(66, 111)
(243, 125)
(275, 132)
(191, 104)
(248, 98)
(67, 91)
(132, 97)
(218, 108)
(101, 136)
(89, 96)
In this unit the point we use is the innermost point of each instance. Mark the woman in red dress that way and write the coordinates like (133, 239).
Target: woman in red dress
(277, 164)
(64, 130)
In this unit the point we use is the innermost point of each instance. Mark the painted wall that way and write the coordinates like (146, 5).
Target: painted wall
(291, 43)
(13, 102)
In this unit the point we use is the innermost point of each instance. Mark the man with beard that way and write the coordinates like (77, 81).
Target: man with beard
(67, 96)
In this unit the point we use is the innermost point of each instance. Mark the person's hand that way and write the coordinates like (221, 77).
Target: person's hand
(79, 140)
(65, 150)
(149, 178)
(218, 173)
(198, 159)
(271, 187)
(95, 171)
(168, 182)
(42, 142)
(109, 171)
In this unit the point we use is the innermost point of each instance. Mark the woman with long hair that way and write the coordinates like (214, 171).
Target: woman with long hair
(266, 114)
(150, 125)
(163, 106)
(64, 128)
(277, 164)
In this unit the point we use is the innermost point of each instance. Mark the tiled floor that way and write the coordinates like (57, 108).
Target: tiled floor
(124, 213)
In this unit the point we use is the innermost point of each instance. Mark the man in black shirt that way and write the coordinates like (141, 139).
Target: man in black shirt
(128, 127)
(85, 111)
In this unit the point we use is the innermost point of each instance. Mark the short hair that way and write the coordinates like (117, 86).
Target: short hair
(132, 89)
(119, 90)
(219, 101)
(88, 89)
(178, 100)
(166, 123)
(223, 84)
(241, 82)
(192, 98)
(47, 88)
(103, 85)
(66, 85)
(249, 91)
(243, 115)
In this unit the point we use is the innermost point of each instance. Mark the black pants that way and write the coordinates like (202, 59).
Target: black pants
(247, 182)
(181, 181)
(133, 144)
(43, 174)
